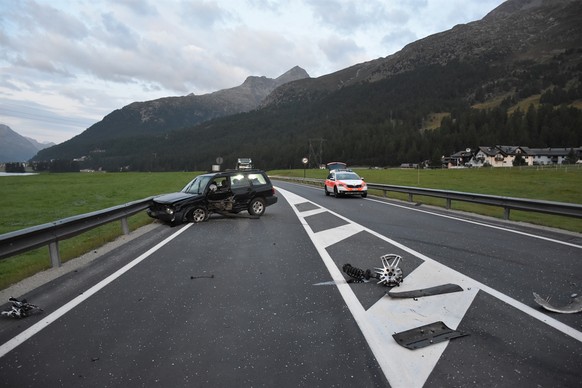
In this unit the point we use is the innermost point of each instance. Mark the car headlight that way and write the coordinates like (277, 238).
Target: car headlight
(169, 210)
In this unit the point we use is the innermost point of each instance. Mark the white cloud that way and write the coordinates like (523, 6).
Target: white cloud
(66, 64)
(341, 50)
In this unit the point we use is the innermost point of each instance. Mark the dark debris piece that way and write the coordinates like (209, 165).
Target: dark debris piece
(426, 335)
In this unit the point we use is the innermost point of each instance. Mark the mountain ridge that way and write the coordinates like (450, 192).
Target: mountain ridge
(496, 36)
(372, 112)
(17, 148)
(170, 113)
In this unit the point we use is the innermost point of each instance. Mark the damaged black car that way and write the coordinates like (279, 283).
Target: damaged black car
(229, 192)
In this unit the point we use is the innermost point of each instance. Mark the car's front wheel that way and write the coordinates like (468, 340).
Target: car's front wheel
(198, 214)
(364, 194)
(335, 192)
(257, 207)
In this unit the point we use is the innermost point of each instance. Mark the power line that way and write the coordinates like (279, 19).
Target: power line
(316, 152)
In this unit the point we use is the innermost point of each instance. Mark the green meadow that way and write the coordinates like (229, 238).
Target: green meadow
(37, 199)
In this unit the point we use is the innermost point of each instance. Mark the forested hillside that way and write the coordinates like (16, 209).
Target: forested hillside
(512, 78)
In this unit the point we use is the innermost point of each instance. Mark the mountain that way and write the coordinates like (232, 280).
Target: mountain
(513, 77)
(514, 33)
(17, 148)
(170, 113)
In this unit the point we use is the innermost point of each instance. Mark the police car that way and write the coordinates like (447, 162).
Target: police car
(345, 182)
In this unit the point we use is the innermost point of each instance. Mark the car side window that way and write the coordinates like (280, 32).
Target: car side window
(239, 180)
(221, 183)
(330, 176)
(257, 179)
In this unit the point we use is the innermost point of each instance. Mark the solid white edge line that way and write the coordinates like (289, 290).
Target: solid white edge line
(479, 223)
(536, 314)
(459, 219)
(37, 327)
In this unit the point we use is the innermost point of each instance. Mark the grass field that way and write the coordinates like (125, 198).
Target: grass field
(38, 199)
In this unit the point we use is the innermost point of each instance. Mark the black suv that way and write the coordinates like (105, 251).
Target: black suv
(219, 192)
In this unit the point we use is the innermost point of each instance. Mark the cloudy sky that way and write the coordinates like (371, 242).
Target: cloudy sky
(64, 65)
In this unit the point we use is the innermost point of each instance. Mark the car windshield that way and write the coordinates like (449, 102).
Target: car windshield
(347, 176)
(198, 185)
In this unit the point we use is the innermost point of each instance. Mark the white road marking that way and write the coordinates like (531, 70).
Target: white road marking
(463, 220)
(480, 224)
(403, 367)
(37, 327)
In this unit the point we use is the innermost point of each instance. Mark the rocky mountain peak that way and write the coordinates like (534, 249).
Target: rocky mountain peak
(517, 30)
(296, 73)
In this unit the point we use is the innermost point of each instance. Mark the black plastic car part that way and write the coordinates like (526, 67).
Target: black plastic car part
(426, 335)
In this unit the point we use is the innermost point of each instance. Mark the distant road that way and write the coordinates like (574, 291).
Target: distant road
(244, 302)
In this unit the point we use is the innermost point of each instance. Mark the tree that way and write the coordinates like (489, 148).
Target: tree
(519, 161)
(15, 167)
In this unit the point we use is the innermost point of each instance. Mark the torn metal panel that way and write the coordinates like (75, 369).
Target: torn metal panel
(575, 306)
(437, 290)
(426, 335)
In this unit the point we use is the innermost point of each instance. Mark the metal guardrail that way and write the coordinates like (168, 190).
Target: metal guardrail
(51, 233)
(507, 203)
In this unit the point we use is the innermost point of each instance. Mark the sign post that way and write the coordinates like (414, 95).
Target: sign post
(304, 161)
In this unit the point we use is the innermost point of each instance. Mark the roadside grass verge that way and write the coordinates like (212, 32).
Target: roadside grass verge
(38, 199)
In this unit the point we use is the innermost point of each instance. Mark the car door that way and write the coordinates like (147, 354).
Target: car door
(330, 182)
(242, 190)
(219, 196)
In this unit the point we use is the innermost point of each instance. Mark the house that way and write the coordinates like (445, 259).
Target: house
(505, 156)
(459, 159)
(550, 156)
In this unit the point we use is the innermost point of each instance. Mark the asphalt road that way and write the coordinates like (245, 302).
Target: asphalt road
(246, 303)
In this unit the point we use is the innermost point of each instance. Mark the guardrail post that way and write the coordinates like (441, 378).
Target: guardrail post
(124, 226)
(54, 253)
(410, 199)
(448, 204)
(385, 193)
(506, 213)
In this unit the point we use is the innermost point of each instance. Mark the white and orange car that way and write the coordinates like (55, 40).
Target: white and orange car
(345, 182)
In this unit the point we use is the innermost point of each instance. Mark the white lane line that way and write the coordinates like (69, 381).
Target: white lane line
(512, 302)
(331, 236)
(313, 212)
(462, 220)
(404, 368)
(37, 327)
(479, 223)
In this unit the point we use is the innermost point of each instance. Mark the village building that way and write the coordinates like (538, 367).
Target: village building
(505, 156)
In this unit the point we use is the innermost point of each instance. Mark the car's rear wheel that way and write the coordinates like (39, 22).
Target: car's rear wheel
(198, 214)
(257, 207)
(325, 189)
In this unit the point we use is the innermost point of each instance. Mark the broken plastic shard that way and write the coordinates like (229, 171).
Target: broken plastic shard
(426, 335)
(437, 290)
(575, 306)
